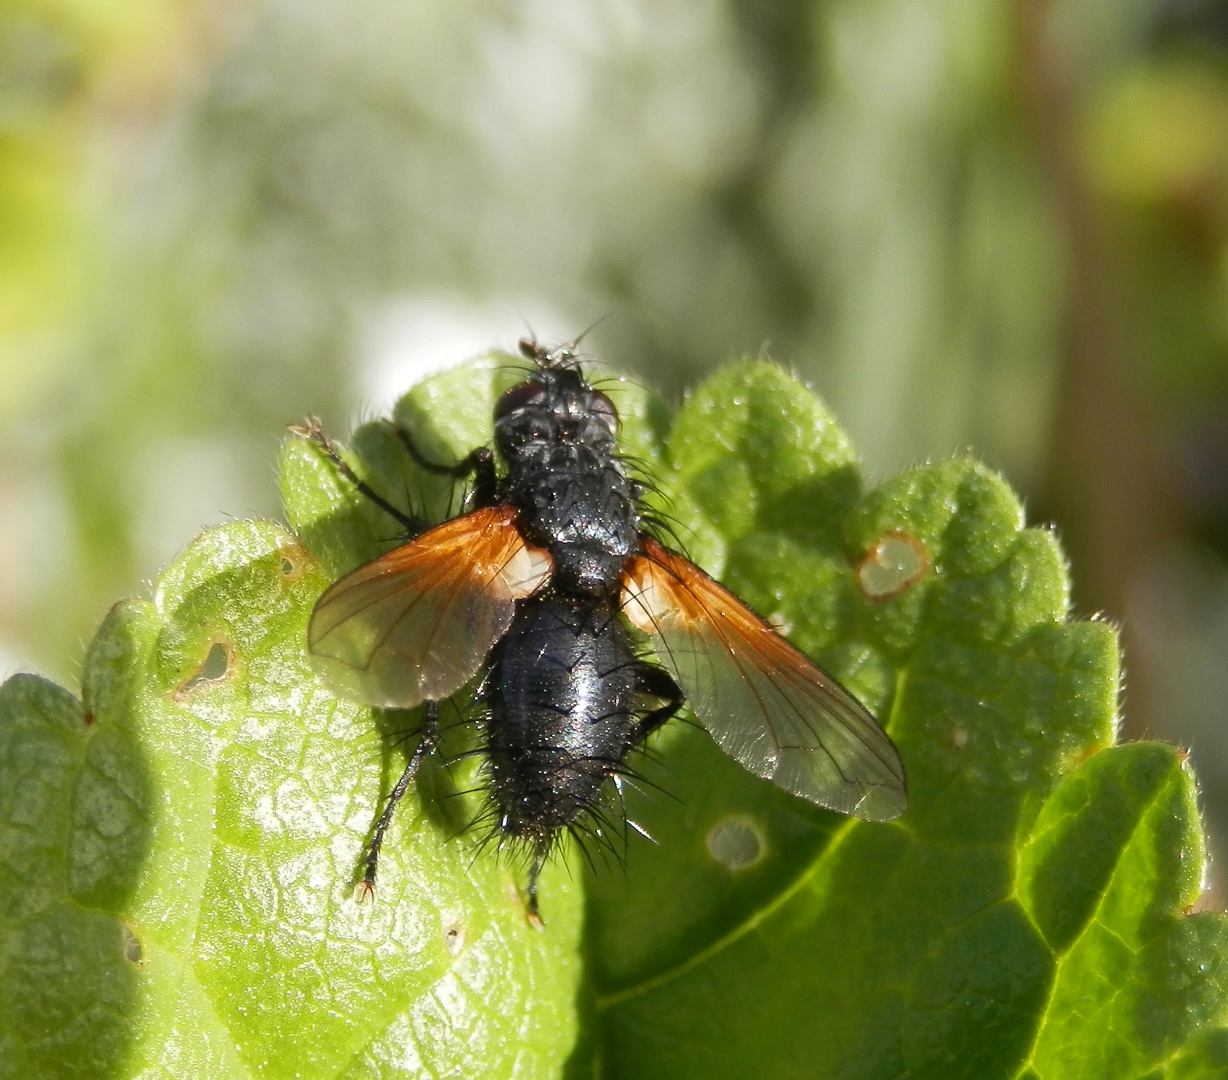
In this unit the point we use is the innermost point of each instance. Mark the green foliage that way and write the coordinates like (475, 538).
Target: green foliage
(178, 848)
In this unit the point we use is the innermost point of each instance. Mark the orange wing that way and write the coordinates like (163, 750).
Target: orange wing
(415, 624)
(767, 705)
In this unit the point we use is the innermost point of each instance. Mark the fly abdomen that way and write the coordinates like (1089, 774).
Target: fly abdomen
(561, 695)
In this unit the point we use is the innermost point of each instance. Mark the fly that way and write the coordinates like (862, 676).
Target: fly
(539, 587)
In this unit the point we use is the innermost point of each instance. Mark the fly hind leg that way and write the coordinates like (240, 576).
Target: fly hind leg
(426, 744)
(530, 907)
(656, 682)
(651, 681)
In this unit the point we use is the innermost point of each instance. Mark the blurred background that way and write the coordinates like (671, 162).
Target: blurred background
(995, 225)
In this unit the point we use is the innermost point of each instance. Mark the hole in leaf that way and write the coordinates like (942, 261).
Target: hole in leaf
(214, 668)
(894, 563)
(735, 843)
(293, 561)
(133, 952)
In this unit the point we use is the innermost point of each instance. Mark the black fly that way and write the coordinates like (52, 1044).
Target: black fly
(538, 586)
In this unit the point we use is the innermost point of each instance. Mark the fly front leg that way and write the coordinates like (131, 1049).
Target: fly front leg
(479, 463)
(312, 429)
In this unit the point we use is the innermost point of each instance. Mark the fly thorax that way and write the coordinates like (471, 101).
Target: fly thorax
(558, 436)
(578, 507)
(587, 569)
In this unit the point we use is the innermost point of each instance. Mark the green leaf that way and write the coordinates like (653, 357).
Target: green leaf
(177, 851)
(179, 857)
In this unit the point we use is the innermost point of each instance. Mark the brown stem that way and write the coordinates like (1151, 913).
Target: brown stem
(1105, 482)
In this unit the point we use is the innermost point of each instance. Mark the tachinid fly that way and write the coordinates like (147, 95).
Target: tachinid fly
(540, 587)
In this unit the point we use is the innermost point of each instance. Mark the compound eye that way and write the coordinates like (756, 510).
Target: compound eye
(603, 408)
(519, 397)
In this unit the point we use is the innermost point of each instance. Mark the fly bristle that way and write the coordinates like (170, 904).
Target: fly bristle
(598, 830)
(664, 528)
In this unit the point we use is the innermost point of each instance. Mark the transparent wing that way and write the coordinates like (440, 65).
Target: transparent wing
(417, 623)
(767, 705)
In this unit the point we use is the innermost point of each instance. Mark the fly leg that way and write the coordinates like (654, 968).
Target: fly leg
(656, 682)
(312, 429)
(426, 744)
(530, 890)
(649, 680)
(479, 463)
